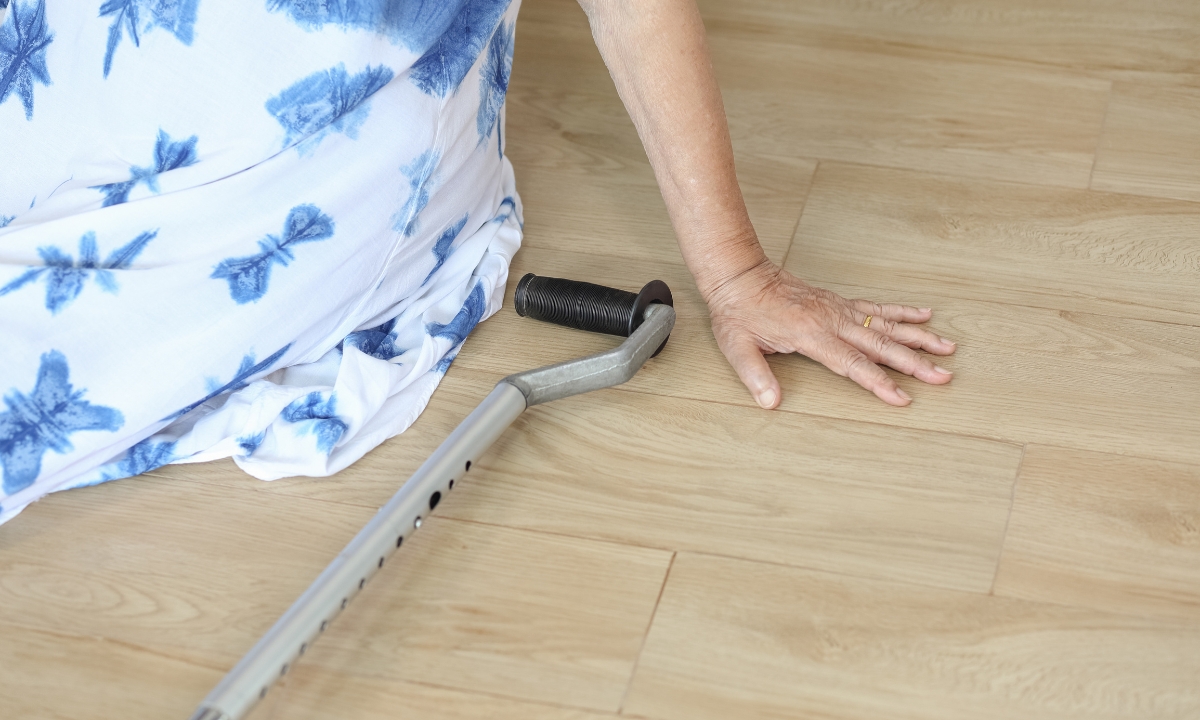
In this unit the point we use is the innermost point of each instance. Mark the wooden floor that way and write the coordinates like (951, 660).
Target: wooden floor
(1023, 543)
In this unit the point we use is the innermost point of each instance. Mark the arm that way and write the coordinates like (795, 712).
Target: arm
(658, 57)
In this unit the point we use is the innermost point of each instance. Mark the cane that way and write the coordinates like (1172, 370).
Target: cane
(645, 319)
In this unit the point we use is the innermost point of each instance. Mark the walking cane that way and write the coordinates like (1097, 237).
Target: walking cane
(645, 319)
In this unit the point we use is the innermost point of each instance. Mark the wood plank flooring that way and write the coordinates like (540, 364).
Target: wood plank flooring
(1022, 543)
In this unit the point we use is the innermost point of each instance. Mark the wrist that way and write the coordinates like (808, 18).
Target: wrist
(721, 264)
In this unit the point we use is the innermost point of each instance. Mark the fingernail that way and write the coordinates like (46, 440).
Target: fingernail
(943, 370)
(926, 309)
(902, 394)
(949, 341)
(766, 399)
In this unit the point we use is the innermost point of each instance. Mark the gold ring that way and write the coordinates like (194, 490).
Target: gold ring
(867, 322)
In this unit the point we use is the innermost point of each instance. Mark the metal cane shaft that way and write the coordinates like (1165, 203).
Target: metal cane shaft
(329, 594)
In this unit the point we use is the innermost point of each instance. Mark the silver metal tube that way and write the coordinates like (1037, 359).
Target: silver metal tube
(271, 657)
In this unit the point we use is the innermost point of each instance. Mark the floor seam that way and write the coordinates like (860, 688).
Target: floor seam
(1014, 442)
(812, 180)
(944, 293)
(645, 636)
(1112, 88)
(1012, 501)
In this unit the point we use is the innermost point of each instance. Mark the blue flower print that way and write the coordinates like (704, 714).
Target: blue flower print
(493, 83)
(327, 101)
(65, 276)
(508, 206)
(446, 63)
(328, 427)
(146, 456)
(248, 276)
(444, 245)
(168, 155)
(44, 420)
(416, 25)
(378, 342)
(245, 372)
(250, 443)
(444, 364)
(141, 16)
(6, 219)
(465, 321)
(23, 41)
(420, 174)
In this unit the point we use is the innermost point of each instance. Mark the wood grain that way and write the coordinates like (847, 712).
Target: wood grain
(195, 571)
(771, 642)
(1113, 533)
(1061, 249)
(314, 693)
(506, 612)
(978, 120)
(51, 675)
(1102, 38)
(1151, 142)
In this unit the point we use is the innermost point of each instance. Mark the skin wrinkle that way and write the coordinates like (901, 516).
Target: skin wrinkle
(657, 54)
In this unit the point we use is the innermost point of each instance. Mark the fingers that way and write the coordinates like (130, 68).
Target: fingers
(750, 365)
(888, 311)
(880, 348)
(912, 336)
(849, 362)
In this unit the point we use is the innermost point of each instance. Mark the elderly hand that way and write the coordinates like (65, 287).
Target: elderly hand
(768, 310)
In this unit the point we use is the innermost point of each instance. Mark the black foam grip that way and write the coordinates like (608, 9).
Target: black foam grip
(584, 305)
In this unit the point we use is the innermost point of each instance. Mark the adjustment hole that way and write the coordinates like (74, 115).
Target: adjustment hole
(344, 603)
(361, 582)
(452, 484)
(417, 522)
(468, 466)
(434, 499)
(325, 624)
(303, 647)
(380, 561)
(399, 540)
(262, 693)
(283, 670)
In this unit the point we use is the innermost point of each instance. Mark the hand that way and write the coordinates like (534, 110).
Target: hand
(768, 310)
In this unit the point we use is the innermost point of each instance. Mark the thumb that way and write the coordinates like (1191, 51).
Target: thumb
(750, 365)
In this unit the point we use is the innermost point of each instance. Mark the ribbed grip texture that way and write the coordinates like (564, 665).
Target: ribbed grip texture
(581, 305)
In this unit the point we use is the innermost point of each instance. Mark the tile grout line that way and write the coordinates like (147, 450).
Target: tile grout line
(650, 624)
(1012, 501)
(1112, 88)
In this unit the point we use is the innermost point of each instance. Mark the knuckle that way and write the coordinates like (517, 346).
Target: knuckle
(881, 344)
(856, 365)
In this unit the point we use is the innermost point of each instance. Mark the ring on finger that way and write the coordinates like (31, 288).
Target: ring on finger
(867, 322)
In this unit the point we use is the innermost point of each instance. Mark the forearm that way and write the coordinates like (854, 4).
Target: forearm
(658, 57)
